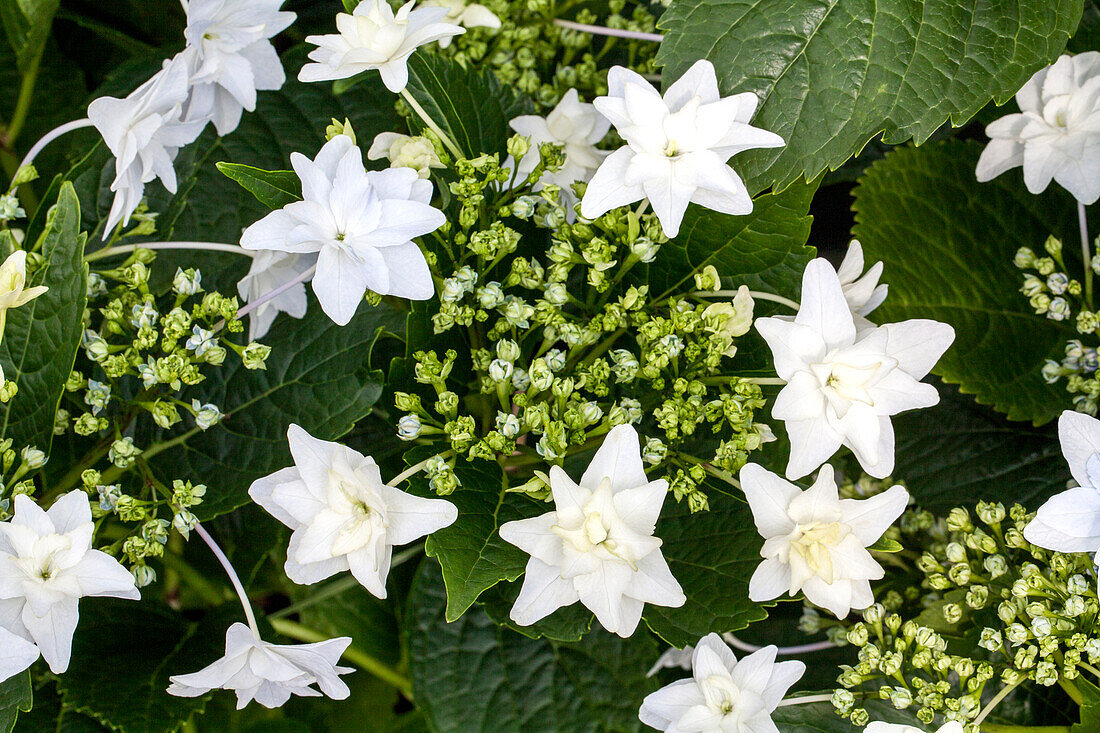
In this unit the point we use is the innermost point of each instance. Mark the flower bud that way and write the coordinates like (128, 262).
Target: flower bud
(500, 370)
(409, 427)
(187, 282)
(206, 415)
(33, 458)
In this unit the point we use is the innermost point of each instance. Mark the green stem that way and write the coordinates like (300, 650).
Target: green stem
(444, 137)
(1083, 222)
(353, 654)
(1071, 690)
(995, 702)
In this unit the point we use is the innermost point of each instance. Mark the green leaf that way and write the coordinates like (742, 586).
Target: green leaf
(41, 338)
(471, 106)
(273, 189)
(886, 545)
(27, 25)
(318, 376)
(765, 250)
(472, 675)
(712, 555)
(833, 74)
(820, 717)
(948, 244)
(958, 452)
(145, 643)
(16, 697)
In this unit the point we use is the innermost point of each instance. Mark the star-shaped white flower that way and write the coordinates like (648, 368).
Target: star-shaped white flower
(144, 131)
(343, 516)
(467, 15)
(724, 694)
(360, 223)
(374, 37)
(843, 384)
(1056, 134)
(814, 541)
(597, 546)
(879, 727)
(13, 285)
(231, 57)
(47, 565)
(1070, 521)
(269, 673)
(575, 126)
(268, 271)
(861, 289)
(676, 146)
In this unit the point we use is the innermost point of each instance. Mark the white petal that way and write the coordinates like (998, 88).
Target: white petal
(768, 496)
(771, 580)
(16, 654)
(918, 344)
(823, 308)
(53, 632)
(1079, 436)
(870, 518)
(607, 190)
(70, 510)
(99, 574)
(544, 591)
(618, 458)
(1067, 522)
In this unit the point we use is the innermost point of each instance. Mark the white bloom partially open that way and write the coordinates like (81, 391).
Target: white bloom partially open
(861, 289)
(405, 151)
(268, 271)
(467, 15)
(360, 224)
(597, 546)
(343, 516)
(374, 37)
(1070, 521)
(843, 384)
(575, 126)
(676, 146)
(47, 565)
(144, 131)
(878, 727)
(723, 694)
(269, 673)
(1056, 134)
(230, 56)
(13, 285)
(814, 541)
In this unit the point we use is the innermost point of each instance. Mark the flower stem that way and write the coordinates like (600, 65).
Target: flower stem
(127, 248)
(353, 654)
(271, 295)
(233, 578)
(52, 135)
(756, 295)
(804, 700)
(744, 646)
(599, 30)
(1086, 255)
(765, 381)
(995, 702)
(415, 469)
(444, 137)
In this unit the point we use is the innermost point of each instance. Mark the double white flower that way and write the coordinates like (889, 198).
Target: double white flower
(676, 146)
(374, 37)
(360, 224)
(269, 673)
(814, 541)
(47, 565)
(597, 546)
(843, 384)
(342, 514)
(1056, 134)
(724, 694)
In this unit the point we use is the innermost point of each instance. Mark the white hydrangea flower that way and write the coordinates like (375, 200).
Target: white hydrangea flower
(724, 694)
(844, 384)
(1056, 134)
(144, 131)
(342, 515)
(269, 673)
(861, 289)
(578, 128)
(597, 546)
(814, 541)
(230, 56)
(47, 565)
(878, 727)
(13, 286)
(374, 37)
(269, 270)
(676, 146)
(1070, 521)
(467, 15)
(360, 223)
(405, 151)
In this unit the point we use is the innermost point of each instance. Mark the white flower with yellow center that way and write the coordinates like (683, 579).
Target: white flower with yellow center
(342, 515)
(597, 546)
(814, 541)
(405, 151)
(467, 15)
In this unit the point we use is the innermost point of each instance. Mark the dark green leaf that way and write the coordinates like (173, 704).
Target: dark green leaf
(886, 545)
(472, 675)
(273, 189)
(833, 74)
(41, 338)
(27, 25)
(566, 624)
(948, 244)
(15, 697)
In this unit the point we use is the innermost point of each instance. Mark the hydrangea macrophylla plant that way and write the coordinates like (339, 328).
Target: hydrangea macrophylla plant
(374, 37)
(814, 541)
(271, 269)
(843, 384)
(269, 673)
(343, 515)
(230, 56)
(597, 546)
(1056, 134)
(360, 224)
(467, 15)
(723, 694)
(676, 146)
(47, 565)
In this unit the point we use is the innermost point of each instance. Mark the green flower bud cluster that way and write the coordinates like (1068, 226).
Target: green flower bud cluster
(17, 471)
